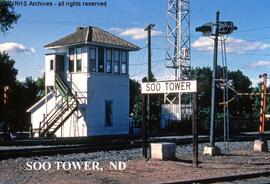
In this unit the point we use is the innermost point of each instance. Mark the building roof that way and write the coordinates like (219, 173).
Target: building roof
(94, 35)
(38, 104)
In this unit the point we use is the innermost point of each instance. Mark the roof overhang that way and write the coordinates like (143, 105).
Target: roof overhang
(55, 53)
(40, 103)
(95, 44)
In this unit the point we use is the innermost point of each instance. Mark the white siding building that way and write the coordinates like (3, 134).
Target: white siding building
(86, 86)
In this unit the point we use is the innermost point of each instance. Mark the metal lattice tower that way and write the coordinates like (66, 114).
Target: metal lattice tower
(177, 60)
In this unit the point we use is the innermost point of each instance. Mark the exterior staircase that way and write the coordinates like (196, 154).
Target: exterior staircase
(62, 111)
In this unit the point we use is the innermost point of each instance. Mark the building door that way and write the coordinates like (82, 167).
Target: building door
(59, 64)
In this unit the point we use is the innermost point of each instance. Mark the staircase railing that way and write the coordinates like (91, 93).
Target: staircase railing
(58, 116)
(52, 118)
(70, 91)
(57, 112)
(62, 87)
(77, 91)
(64, 120)
(50, 115)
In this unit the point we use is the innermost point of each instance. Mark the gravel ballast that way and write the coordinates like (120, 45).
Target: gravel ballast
(238, 158)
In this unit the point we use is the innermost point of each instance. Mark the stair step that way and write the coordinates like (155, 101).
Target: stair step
(66, 110)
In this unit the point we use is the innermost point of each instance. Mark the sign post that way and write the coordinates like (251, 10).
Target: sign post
(144, 129)
(195, 130)
(175, 86)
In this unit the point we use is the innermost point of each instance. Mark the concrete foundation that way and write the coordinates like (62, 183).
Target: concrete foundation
(163, 151)
(260, 145)
(211, 151)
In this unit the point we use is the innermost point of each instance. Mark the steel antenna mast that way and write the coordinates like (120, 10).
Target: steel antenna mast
(177, 59)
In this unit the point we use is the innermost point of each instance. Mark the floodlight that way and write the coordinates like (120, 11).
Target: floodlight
(226, 27)
(205, 29)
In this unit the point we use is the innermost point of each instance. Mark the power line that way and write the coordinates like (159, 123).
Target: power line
(145, 69)
(252, 29)
(231, 53)
(255, 54)
(146, 62)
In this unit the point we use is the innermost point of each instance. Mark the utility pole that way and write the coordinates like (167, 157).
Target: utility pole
(222, 28)
(195, 131)
(149, 29)
(144, 128)
(149, 75)
(213, 100)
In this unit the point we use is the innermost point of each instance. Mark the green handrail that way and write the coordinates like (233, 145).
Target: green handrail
(60, 85)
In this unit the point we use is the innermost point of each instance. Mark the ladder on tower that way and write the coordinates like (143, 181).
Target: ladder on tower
(177, 58)
(62, 111)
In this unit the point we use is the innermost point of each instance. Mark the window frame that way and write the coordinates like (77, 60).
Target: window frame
(92, 60)
(101, 70)
(116, 62)
(71, 60)
(78, 69)
(51, 65)
(124, 62)
(78, 59)
(110, 60)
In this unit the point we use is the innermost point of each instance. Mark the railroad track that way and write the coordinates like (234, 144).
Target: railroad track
(66, 149)
(98, 146)
(224, 178)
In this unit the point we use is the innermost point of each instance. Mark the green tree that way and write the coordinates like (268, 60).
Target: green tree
(40, 83)
(134, 93)
(239, 82)
(135, 105)
(203, 76)
(7, 16)
(7, 77)
(23, 96)
(242, 107)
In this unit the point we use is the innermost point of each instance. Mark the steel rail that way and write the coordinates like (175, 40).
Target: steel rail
(102, 146)
(49, 151)
(223, 178)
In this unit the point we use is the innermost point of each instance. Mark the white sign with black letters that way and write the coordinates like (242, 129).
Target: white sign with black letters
(183, 86)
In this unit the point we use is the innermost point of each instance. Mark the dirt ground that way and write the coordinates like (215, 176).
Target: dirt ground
(153, 171)
(141, 171)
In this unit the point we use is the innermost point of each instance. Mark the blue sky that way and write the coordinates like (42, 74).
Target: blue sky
(249, 47)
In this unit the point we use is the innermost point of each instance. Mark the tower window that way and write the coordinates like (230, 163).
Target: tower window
(79, 65)
(116, 61)
(124, 62)
(51, 64)
(78, 59)
(101, 60)
(92, 60)
(71, 60)
(108, 60)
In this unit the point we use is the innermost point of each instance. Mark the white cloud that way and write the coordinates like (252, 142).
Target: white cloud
(259, 64)
(135, 33)
(15, 48)
(233, 45)
(203, 44)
